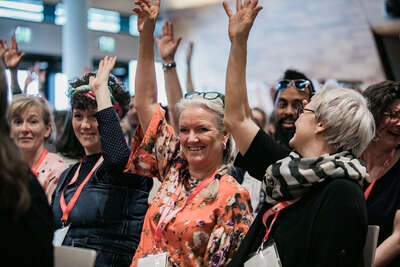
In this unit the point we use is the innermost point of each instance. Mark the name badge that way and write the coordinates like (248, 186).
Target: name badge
(59, 235)
(157, 260)
(267, 257)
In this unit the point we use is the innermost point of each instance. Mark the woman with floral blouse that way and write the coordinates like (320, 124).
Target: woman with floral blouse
(200, 214)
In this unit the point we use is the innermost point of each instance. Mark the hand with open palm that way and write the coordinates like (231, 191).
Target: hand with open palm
(3, 48)
(11, 56)
(101, 80)
(147, 14)
(241, 22)
(167, 44)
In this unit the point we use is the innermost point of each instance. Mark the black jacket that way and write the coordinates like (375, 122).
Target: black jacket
(327, 227)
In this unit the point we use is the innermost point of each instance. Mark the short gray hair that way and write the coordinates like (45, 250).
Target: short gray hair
(347, 118)
(216, 107)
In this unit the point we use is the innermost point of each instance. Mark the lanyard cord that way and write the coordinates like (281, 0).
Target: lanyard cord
(66, 209)
(40, 160)
(275, 210)
(169, 210)
(381, 171)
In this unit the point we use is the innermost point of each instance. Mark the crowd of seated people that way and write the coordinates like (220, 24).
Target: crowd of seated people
(327, 170)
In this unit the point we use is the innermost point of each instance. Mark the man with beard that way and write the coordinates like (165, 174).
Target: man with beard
(289, 94)
(290, 91)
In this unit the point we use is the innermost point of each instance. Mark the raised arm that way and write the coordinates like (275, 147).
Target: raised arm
(238, 119)
(167, 46)
(145, 83)
(12, 59)
(113, 146)
(3, 88)
(189, 81)
(3, 50)
(99, 84)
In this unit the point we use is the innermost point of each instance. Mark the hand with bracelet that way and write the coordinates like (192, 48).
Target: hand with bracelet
(167, 46)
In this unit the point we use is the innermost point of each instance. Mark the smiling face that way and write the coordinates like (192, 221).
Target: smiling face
(286, 106)
(28, 129)
(202, 142)
(86, 130)
(389, 129)
(305, 129)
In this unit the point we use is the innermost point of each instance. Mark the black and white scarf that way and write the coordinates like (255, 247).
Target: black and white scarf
(294, 176)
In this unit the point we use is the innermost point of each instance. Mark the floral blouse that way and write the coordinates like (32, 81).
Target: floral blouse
(48, 173)
(208, 231)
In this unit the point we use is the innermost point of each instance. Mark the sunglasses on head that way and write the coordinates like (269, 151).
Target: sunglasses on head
(206, 95)
(300, 84)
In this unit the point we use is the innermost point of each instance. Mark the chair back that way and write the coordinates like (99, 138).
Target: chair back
(65, 256)
(370, 245)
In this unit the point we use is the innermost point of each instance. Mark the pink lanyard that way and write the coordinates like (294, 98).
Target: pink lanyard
(275, 210)
(383, 168)
(66, 209)
(169, 212)
(37, 164)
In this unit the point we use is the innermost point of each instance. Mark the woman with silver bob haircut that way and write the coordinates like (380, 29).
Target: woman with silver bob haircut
(313, 194)
(346, 117)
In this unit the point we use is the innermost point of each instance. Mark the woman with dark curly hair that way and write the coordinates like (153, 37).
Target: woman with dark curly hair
(382, 189)
(95, 204)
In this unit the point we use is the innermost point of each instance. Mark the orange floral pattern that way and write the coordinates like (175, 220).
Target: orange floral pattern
(208, 231)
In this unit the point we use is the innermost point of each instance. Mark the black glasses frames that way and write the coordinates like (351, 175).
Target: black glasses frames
(301, 109)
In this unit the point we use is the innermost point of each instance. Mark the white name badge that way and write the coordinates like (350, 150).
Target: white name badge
(59, 235)
(267, 257)
(158, 260)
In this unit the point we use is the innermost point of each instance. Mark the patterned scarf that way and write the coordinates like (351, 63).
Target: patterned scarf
(294, 176)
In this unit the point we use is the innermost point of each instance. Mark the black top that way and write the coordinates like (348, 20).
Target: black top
(109, 214)
(28, 241)
(115, 152)
(262, 152)
(383, 202)
(327, 227)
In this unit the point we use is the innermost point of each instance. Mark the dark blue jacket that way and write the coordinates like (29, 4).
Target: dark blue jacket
(109, 213)
(107, 218)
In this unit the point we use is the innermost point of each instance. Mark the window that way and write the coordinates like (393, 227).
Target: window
(33, 87)
(24, 10)
(23, 34)
(98, 19)
(61, 100)
(106, 44)
(162, 97)
(103, 20)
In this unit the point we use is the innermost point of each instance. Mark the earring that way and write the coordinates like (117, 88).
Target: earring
(224, 146)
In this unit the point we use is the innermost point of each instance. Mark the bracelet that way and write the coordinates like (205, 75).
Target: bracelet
(168, 66)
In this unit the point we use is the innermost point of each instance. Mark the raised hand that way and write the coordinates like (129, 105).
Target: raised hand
(11, 56)
(147, 14)
(3, 48)
(103, 73)
(167, 45)
(241, 22)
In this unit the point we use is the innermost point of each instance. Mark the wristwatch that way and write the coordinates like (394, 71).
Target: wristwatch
(168, 66)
